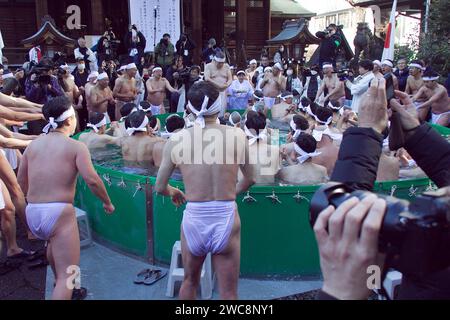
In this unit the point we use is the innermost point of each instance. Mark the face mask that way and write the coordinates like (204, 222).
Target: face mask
(81, 67)
(314, 73)
(281, 49)
(290, 72)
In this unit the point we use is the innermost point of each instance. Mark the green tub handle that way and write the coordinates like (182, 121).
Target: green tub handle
(299, 198)
(139, 187)
(274, 198)
(248, 198)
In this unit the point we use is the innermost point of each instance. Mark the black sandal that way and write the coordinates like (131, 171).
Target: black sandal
(25, 254)
(141, 276)
(154, 277)
(79, 294)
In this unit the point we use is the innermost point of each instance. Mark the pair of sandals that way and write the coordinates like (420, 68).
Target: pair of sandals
(14, 262)
(149, 277)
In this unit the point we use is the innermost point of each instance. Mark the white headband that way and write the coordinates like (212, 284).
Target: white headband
(333, 107)
(93, 74)
(297, 132)
(132, 111)
(231, 120)
(388, 63)
(102, 76)
(241, 71)
(253, 138)
(141, 128)
(253, 62)
(220, 60)
(430, 78)
(416, 65)
(131, 66)
(257, 98)
(287, 97)
(53, 123)
(157, 69)
(325, 122)
(304, 156)
(64, 66)
(7, 76)
(327, 66)
(377, 62)
(317, 134)
(95, 127)
(278, 66)
(268, 69)
(214, 109)
(122, 68)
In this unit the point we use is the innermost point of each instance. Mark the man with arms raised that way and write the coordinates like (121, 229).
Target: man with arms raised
(211, 223)
(125, 89)
(218, 73)
(156, 89)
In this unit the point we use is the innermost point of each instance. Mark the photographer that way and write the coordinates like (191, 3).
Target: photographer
(82, 52)
(41, 86)
(164, 52)
(348, 236)
(331, 41)
(135, 43)
(107, 46)
(361, 84)
(185, 47)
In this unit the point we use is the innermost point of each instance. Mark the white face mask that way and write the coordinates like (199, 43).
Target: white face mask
(81, 67)
(290, 72)
(314, 73)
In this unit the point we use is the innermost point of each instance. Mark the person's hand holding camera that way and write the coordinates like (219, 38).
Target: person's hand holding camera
(373, 108)
(348, 245)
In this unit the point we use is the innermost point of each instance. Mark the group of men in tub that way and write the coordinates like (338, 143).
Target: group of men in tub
(220, 155)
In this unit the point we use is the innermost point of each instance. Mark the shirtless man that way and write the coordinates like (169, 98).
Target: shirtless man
(96, 138)
(435, 97)
(156, 89)
(47, 175)
(125, 112)
(218, 73)
(101, 96)
(174, 124)
(18, 104)
(264, 156)
(270, 87)
(387, 67)
(328, 139)
(211, 223)
(279, 77)
(336, 88)
(415, 81)
(70, 88)
(92, 81)
(281, 110)
(138, 146)
(389, 167)
(303, 171)
(125, 89)
(250, 72)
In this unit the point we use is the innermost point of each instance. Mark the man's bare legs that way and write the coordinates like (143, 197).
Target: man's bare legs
(423, 113)
(192, 271)
(64, 251)
(8, 176)
(8, 218)
(226, 266)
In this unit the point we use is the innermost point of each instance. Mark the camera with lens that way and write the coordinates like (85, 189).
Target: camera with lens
(185, 74)
(322, 34)
(414, 235)
(343, 74)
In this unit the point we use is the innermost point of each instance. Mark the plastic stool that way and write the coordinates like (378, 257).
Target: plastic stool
(83, 228)
(391, 283)
(176, 274)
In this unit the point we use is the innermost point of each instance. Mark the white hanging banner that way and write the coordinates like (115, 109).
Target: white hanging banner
(168, 19)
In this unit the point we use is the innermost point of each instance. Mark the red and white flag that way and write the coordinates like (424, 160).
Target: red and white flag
(388, 52)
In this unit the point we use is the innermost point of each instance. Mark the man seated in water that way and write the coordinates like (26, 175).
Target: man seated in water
(211, 222)
(47, 175)
(138, 146)
(235, 119)
(328, 139)
(174, 123)
(282, 110)
(336, 107)
(97, 138)
(127, 109)
(301, 169)
(264, 156)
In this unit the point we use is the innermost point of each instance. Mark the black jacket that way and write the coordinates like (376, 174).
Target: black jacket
(402, 79)
(357, 167)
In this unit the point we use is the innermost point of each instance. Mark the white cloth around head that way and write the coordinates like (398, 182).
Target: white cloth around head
(304, 156)
(97, 126)
(53, 123)
(254, 138)
(214, 109)
(102, 76)
(388, 63)
(141, 128)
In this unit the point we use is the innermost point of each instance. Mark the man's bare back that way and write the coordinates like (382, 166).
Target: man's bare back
(219, 77)
(97, 141)
(327, 158)
(60, 157)
(139, 148)
(279, 111)
(209, 182)
(304, 174)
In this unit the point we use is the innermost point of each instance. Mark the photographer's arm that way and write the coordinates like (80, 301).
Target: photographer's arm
(360, 150)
